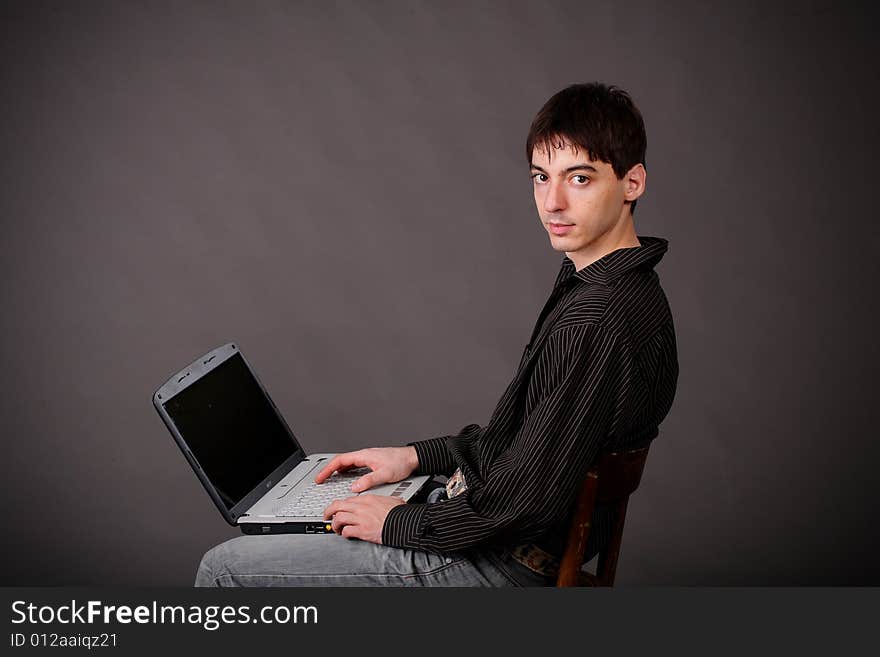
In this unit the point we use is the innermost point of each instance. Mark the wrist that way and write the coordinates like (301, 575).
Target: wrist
(412, 458)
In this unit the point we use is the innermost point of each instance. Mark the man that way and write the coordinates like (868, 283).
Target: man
(599, 373)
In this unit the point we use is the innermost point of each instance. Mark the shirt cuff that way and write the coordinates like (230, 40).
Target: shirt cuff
(403, 525)
(434, 456)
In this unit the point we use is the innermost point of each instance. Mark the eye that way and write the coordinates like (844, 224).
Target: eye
(584, 180)
(539, 177)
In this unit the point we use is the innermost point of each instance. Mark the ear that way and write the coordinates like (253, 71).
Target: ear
(634, 182)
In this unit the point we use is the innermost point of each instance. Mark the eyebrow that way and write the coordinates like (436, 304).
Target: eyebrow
(569, 169)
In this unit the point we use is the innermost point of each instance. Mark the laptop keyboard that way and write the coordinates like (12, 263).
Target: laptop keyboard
(313, 499)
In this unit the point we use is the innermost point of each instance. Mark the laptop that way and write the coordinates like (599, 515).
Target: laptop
(244, 453)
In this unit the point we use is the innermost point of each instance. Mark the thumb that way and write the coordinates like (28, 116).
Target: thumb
(363, 483)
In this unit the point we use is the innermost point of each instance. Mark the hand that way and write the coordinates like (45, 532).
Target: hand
(361, 516)
(388, 465)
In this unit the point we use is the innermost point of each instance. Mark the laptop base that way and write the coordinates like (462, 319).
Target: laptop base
(255, 528)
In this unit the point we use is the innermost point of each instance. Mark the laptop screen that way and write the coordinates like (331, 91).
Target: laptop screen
(231, 429)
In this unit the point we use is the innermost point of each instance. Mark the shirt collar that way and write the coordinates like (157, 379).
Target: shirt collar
(612, 265)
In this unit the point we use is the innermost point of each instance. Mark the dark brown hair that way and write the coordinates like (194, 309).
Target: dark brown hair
(595, 117)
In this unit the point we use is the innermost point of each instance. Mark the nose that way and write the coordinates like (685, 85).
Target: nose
(554, 201)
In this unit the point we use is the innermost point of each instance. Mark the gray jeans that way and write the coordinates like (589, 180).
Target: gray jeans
(332, 560)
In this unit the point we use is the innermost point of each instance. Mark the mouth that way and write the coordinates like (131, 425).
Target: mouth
(559, 229)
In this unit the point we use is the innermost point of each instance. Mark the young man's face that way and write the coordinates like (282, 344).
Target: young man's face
(581, 203)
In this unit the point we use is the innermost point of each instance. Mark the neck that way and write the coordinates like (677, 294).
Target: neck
(621, 236)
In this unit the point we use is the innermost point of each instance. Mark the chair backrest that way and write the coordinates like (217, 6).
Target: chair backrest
(609, 483)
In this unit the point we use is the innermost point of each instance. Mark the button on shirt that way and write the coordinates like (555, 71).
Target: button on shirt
(598, 373)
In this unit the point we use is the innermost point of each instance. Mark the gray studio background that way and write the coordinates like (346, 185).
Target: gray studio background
(342, 189)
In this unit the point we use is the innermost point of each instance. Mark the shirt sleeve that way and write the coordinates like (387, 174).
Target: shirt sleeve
(434, 455)
(529, 487)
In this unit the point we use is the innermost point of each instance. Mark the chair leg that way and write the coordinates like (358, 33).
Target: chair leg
(578, 533)
(606, 569)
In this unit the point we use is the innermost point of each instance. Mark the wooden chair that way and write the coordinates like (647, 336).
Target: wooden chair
(610, 483)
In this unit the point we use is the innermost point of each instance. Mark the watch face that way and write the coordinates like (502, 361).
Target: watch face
(456, 484)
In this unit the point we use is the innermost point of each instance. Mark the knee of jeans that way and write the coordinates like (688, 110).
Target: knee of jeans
(208, 567)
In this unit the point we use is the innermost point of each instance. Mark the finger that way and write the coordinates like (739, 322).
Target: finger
(342, 520)
(340, 462)
(332, 508)
(352, 531)
(339, 505)
(334, 464)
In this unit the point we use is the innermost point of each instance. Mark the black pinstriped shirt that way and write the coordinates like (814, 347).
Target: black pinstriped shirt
(598, 373)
